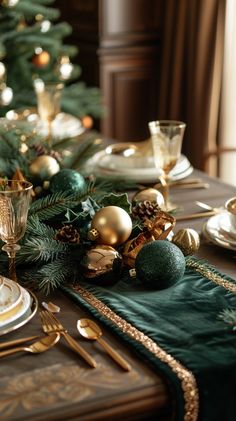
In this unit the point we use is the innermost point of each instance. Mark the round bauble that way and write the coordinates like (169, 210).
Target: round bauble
(87, 121)
(111, 226)
(68, 179)
(41, 60)
(159, 264)
(102, 264)
(188, 240)
(2, 70)
(152, 195)
(44, 167)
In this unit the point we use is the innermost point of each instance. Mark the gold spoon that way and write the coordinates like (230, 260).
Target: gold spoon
(90, 330)
(42, 345)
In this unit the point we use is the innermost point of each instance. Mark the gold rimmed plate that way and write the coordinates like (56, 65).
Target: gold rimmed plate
(24, 318)
(10, 296)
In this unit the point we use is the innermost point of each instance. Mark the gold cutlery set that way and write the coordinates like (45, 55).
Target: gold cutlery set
(54, 331)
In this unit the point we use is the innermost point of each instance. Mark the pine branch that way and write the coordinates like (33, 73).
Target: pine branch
(39, 229)
(54, 204)
(40, 250)
(50, 276)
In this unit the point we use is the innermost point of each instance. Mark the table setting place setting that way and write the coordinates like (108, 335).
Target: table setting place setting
(121, 257)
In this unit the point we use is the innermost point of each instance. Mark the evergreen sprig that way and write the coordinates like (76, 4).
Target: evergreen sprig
(49, 276)
(36, 249)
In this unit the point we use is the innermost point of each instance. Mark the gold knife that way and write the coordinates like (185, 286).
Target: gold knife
(9, 344)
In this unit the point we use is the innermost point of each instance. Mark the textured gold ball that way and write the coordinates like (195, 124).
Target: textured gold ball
(113, 225)
(44, 166)
(153, 195)
(188, 240)
(100, 260)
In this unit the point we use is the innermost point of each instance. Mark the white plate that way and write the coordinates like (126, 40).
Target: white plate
(22, 308)
(25, 318)
(182, 169)
(214, 229)
(64, 125)
(10, 296)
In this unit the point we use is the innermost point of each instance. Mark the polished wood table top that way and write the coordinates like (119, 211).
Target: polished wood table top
(59, 385)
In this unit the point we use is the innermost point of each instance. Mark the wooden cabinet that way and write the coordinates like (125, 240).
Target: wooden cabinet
(119, 50)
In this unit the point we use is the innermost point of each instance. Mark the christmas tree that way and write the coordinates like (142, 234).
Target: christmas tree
(32, 46)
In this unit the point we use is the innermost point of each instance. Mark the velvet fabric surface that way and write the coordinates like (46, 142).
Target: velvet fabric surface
(183, 320)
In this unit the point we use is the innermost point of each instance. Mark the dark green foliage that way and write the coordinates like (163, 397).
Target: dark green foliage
(20, 33)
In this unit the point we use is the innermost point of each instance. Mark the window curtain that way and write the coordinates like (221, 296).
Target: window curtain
(191, 73)
(227, 131)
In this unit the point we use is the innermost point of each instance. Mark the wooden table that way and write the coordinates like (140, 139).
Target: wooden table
(58, 385)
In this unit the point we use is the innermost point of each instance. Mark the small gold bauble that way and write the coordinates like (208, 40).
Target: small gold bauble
(100, 260)
(153, 195)
(113, 225)
(188, 240)
(44, 166)
(42, 59)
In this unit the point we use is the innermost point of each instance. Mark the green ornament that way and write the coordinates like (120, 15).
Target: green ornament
(69, 180)
(159, 264)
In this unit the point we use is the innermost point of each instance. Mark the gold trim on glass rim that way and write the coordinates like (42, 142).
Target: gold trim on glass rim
(34, 308)
(186, 377)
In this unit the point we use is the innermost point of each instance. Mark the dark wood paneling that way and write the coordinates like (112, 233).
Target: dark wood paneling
(119, 50)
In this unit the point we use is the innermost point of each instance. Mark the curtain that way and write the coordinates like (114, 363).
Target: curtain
(191, 73)
(227, 130)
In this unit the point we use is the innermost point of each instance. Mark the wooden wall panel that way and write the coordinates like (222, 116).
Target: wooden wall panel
(119, 50)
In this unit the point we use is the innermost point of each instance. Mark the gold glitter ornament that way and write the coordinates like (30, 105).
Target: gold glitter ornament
(152, 195)
(44, 167)
(188, 240)
(102, 262)
(111, 226)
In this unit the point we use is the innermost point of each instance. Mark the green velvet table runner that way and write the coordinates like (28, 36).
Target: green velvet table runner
(178, 331)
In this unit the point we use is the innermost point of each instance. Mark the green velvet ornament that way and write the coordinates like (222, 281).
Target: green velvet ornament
(159, 264)
(67, 179)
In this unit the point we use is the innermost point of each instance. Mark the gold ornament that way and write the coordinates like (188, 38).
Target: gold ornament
(41, 59)
(111, 226)
(155, 229)
(44, 166)
(100, 260)
(188, 240)
(152, 195)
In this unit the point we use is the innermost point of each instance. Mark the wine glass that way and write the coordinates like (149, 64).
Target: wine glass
(14, 203)
(48, 102)
(166, 137)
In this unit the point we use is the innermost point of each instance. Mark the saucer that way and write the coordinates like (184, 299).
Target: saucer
(219, 230)
(24, 318)
(64, 125)
(18, 311)
(10, 296)
(102, 164)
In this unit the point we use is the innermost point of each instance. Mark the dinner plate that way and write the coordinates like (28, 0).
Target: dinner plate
(10, 296)
(150, 174)
(214, 230)
(25, 318)
(17, 312)
(64, 125)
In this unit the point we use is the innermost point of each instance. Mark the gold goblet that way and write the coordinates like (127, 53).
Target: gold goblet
(48, 102)
(166, 137)
(14, 203)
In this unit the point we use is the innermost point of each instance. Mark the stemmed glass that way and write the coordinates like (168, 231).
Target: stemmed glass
(49, 103)
(166, 137)
(14, 203)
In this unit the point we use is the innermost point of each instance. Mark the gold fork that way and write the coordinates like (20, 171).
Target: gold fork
(51, 324)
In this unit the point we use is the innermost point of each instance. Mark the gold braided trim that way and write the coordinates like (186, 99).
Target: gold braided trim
(187, 379)
(209, 274)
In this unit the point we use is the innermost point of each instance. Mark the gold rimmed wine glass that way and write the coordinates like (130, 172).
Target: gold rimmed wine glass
(14, 204)
(166, 137)
(48, 102)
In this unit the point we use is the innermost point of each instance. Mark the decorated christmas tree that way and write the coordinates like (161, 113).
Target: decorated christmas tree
(32, 46)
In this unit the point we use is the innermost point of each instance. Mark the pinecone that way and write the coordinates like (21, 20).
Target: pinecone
(68, 234)
(145, 210)
(41, 150)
